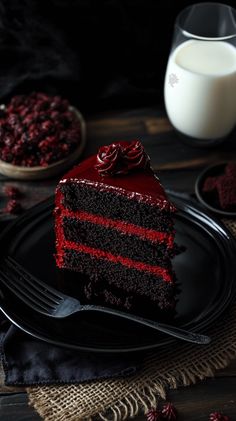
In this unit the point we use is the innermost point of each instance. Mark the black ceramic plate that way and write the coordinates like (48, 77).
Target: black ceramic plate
(210, 201)
(205, 272)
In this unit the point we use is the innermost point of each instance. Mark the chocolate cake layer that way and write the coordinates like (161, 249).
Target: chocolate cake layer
(78, 196)
(130, 246)
(131, 281)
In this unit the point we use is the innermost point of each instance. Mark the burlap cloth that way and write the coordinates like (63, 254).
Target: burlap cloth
(120, 399)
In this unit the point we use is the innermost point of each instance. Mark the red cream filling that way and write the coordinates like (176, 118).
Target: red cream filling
(126, 228)
(101, 254)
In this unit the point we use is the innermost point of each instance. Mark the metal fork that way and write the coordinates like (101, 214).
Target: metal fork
(46, 300)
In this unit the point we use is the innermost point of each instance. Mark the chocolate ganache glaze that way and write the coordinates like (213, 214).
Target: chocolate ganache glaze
(140, 183)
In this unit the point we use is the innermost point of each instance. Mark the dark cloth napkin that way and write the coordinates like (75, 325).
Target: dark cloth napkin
(28, 361)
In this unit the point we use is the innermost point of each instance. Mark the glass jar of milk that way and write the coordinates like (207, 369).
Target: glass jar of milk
(200, 81)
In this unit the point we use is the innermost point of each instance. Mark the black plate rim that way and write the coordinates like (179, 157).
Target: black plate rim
(192, 209)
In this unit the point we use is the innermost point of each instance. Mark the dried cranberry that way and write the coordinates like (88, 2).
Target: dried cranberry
(51, 140)
(25, 137)
(12, 192)
(47, 126)
(34, 135)
(69, 116)
(13, 207)
(48, 158)
(43, 146)
(13, 120)
(217, 416)
(9, 140)
(31, 161)
(18, 131)
(23, 112)
(28, 120)
(59, 104)
(45, 104)
(153, 415)
(6, 154)
(169, 412)
(54, 115)
(18, 150)
(41, 106)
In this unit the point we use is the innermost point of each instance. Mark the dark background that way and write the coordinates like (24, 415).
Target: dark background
(100, 54)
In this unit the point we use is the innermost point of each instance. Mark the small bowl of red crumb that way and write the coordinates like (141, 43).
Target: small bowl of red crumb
(40, 136)
(215, 188)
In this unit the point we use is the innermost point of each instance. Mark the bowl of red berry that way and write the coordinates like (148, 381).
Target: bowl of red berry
(40, 136)
(215, 188)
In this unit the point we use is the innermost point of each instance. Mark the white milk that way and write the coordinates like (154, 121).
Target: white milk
(200, 88)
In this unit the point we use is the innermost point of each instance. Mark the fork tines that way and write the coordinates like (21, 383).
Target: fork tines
(27, 287)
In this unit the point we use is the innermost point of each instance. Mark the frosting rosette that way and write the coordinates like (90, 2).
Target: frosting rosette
(121, 158)
(135, 156)
(108, 158)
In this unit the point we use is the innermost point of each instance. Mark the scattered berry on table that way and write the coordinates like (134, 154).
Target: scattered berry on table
(153, 415)
(12, 192)
(13, 207)
(169, 412)
(217, 416)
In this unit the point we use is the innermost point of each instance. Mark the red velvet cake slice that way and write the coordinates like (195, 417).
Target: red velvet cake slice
(114, 225)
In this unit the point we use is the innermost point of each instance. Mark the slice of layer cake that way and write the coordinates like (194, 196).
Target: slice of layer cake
(114, 225)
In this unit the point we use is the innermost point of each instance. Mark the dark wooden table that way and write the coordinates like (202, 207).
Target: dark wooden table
(179, 165)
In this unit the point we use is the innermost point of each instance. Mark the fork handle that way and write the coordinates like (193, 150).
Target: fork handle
(161, 327)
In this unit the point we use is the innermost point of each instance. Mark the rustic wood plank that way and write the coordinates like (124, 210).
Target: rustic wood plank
(14, 407)
(195, 403)
(212, 159)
